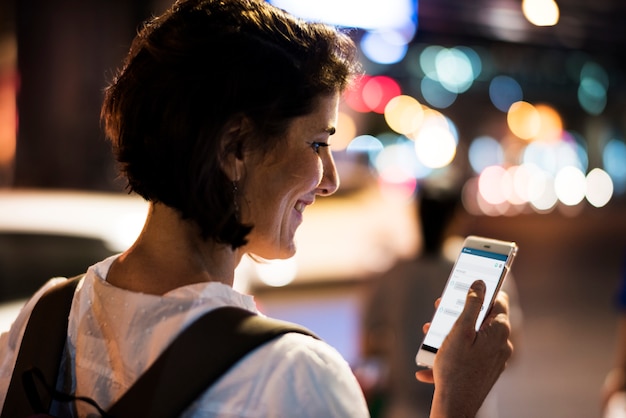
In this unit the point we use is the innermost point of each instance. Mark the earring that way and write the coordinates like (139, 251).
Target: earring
(235, 203)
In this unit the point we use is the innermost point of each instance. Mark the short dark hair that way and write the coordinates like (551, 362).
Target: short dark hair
(198, 67)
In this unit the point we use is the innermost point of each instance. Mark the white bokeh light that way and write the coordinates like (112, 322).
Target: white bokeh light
(553, 156)
(599, 187)
(454, 70)
(397, 164)
(570, 185)
(277, 273)
(366, 14)
(435, 146)
(384, 47)
(493, 184)
(542, 194)
(541, 12)
(523, 181)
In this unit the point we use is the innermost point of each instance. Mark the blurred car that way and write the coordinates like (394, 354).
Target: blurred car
(51, 233)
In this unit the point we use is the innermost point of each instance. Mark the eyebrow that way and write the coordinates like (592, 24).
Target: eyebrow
(331, 130)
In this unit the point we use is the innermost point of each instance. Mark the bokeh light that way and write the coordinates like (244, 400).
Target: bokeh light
(578, 145)
(365, 144)
(402, 191)
(427, 60)
(541, 12)
(551, 125)
(599, 187)
(524, 120)
(552, 156)
(504, 91)
(474, 59)
(613, 158)
(523, 181)
(354, 95)
(398, 163)
(505, 22)
(454, 70)
(434, 117)
(277, 273)
(404, 114)
(435, 94)
(517, 178)
(570, 185)
(384, 46)
(546, 167)
(370, 15)
(592, 96)
(435, 146)
(592, 90)
(378, 91)
(493, 184)
(8, 120)
(469, 197)
(594, 71)
(483, 152)
(436, 140)
(541, 191)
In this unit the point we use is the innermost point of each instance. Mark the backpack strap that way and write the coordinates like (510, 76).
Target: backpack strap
(201, 354)
(42, 345)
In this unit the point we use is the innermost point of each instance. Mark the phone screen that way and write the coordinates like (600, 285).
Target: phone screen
(472, 265)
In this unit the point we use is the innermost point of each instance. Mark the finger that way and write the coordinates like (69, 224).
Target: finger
(426, 327)
(425, 375)
(473, 304)
(500, 305)
(437, 302)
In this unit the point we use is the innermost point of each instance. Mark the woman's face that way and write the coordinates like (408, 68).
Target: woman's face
(279, 185)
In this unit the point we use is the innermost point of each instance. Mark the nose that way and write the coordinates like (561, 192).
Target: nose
(330, 177)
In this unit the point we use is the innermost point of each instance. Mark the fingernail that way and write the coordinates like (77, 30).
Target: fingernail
(479, 286)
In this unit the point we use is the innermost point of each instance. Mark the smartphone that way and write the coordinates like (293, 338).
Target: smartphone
(480, 258)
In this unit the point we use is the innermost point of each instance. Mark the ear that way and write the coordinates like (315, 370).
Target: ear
(232, 147)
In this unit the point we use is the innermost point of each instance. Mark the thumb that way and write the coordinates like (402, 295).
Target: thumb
(473, 305)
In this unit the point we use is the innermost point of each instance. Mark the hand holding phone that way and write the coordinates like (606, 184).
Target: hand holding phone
(469, 362)
(483, 259)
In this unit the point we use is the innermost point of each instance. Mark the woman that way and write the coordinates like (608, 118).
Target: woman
(221, 117)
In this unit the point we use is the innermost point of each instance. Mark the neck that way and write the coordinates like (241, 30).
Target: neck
(170, 253)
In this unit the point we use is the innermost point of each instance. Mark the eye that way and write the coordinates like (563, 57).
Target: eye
(316, 145)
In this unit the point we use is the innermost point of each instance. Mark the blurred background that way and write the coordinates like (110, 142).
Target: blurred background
(516, 107)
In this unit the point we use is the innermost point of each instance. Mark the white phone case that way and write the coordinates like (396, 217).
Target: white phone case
(481, 258)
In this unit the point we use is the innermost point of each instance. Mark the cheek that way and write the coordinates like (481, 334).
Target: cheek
(301, 175)
(275, 191)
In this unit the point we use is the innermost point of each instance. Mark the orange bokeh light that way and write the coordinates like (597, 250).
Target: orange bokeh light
(524, 120)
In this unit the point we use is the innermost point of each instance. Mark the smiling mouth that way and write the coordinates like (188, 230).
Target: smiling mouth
(300, 206)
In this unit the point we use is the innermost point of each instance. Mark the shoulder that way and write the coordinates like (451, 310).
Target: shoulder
(303, 360)
(297, 347)
(292, 372)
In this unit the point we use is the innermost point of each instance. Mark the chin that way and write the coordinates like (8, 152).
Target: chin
(285, 253)
(281, 253)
